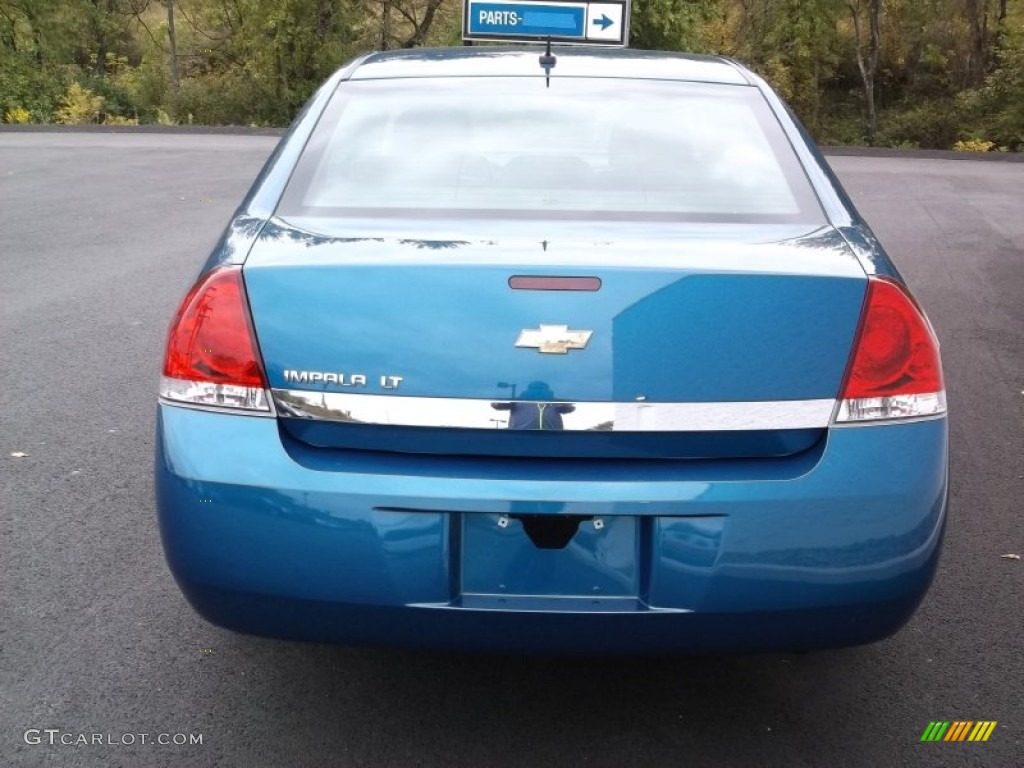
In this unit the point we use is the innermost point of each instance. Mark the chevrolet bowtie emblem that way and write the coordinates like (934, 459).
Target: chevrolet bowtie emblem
(553, 339)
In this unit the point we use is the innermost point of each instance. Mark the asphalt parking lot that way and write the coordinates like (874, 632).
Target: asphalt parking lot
(99, 237)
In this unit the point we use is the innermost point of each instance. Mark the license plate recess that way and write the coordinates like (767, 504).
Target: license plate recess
(519, 554)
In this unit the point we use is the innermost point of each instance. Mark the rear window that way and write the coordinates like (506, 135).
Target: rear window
(579, 149)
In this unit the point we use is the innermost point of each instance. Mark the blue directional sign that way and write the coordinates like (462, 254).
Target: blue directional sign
(534, 20)
(582, 21)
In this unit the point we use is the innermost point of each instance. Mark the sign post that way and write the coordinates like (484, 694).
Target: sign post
(582, 22)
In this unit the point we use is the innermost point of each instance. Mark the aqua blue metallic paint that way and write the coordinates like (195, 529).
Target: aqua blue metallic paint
(358, 532)
(725, 319)
(833, 545)
(476, 625)
(738, 444)
(714, 337)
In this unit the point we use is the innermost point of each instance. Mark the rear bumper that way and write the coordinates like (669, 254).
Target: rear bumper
(834, 547)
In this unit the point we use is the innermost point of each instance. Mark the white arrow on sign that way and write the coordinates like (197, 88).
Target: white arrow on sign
(604, 21)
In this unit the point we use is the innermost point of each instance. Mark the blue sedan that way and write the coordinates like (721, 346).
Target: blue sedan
(595, 358)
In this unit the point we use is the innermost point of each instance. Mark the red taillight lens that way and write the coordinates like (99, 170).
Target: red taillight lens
(895, 370)
(211, 356)
(896, 353)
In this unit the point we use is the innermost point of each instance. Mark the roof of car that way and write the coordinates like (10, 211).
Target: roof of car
(573, 61)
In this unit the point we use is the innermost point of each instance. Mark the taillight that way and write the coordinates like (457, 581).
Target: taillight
(895, 371)
(211, 356)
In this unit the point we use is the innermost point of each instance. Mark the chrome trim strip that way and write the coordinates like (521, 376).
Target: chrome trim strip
(205, 396)
(217, 409)
(472, 413)
(891, 421)
(890, 408)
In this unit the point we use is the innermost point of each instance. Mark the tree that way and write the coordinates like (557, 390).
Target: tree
(898, 72)
(794, 44)
(977, 19)
(868, 12)
(671, 25)
(402, 23)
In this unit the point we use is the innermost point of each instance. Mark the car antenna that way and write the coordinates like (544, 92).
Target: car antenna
(547, 62)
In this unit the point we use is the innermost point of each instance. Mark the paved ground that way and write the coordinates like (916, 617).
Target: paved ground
(101, 234)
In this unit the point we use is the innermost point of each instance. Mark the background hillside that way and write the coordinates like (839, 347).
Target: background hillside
(910, 73)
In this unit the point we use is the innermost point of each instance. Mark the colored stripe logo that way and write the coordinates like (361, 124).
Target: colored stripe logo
(958, 730)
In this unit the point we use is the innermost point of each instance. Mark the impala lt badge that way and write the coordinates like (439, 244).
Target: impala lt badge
(339, 379)
(553, 339)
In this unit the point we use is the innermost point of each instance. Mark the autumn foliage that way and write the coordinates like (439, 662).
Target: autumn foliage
(927, 73)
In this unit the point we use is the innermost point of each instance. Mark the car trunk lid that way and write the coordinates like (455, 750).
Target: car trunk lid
(706, 345)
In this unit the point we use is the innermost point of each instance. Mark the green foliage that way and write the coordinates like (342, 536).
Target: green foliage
(162, 118)
(671, 25)
(809, 51)
(254, 62)
(975, 145)
(931, 124)
(119, 120)
(118, 99)
(214, 99)
(794, 44)
(996, 110)
(25, 86)
(258, 61)
(79, 106)
(841, 126)
(143, 88)
(17, 115)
